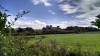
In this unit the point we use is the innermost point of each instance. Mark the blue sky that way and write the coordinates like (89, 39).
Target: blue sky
(61, 13)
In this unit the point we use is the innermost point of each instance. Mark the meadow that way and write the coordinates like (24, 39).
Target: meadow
(89, 41)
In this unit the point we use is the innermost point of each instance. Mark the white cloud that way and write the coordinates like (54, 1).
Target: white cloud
(21, 10)
(81, 23)
(89, 13)
(67, 8)
(51, 12)
(88, 9)
(75, 23)
(45, 2)
(35, 24)
(59, 1)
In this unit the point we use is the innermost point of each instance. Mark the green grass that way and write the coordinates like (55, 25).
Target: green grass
(89, 41)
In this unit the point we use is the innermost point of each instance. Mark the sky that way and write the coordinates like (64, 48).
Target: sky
(61, 13)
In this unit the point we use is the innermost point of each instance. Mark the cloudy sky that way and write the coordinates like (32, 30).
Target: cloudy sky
(61, 13)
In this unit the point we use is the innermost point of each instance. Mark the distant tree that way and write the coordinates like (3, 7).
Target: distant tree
(29, 30)
(43, 28)
(97, 21)
(20, 30)
(58, 28)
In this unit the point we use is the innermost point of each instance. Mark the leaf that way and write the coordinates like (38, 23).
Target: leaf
(16, 19)
(24, 12)
(98, 16)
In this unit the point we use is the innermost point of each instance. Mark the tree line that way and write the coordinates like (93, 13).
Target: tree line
(51, 30)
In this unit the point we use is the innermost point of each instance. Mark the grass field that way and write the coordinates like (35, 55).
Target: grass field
(88, 41)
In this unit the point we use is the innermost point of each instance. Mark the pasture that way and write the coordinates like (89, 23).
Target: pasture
(85, 40)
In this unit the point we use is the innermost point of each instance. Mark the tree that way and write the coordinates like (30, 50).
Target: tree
(97, 21)
(3, 19)
(29, 30)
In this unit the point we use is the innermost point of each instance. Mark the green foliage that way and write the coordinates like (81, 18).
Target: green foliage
(3, 20)
(12, 46)
(97, 21)
(98, 16)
